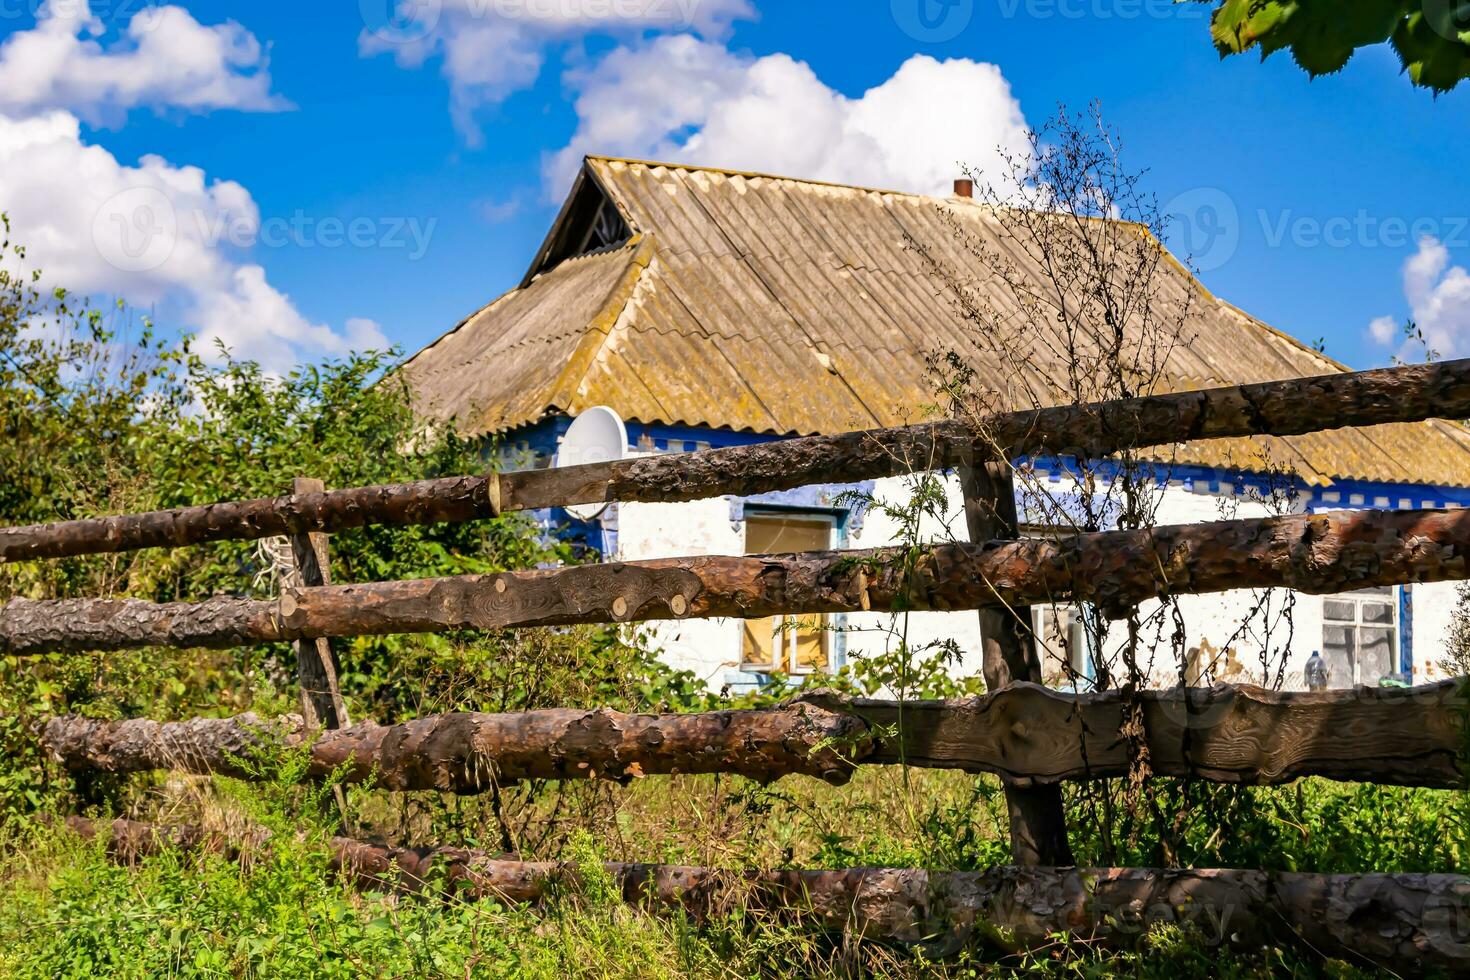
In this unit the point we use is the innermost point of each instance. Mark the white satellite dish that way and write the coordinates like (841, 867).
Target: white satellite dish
(596, 436)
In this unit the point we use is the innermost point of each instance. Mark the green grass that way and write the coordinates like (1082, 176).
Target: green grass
(67, 911)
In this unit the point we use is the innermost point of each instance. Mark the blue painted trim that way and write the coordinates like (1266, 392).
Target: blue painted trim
(543, 436)
(846, 503)
(1406, 632)
(839, 621)
(685, 438)
(1195, 479)
(1340, 495)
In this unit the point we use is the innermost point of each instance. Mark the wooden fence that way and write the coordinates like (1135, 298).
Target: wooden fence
(1032, 737)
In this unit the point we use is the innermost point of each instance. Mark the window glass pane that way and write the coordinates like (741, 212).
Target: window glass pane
(1061, 644)
(1377, 612)
(773, 643)
(1051, 644)
(776, 535)
(811, 643)
(1337, 650)
(1375, 654)
(1077, 631)
(760, 643)
(1340, 610)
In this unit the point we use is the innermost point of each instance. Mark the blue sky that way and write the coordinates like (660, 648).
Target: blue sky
(1331, 209)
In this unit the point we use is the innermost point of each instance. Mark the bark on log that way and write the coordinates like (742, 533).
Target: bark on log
(470, 753)
(1410, 923)
(1403, 394)
(1318, 553)
(458, 498)
(1027, 733)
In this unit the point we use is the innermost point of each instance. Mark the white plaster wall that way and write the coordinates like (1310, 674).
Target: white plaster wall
(1212, 623)
(873, 632)
(1434, 607)
(708, 647)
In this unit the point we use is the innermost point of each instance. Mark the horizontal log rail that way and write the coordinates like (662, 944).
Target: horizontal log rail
(1413, 923)
(1318, 553)
(1281, 408)
(1028, 733)
(468, 753)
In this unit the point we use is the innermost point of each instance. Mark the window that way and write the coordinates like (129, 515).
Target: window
(1360, 640)
(793, 644)
(1061, 644)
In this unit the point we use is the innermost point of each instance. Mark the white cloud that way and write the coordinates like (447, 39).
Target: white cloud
(691, 101)
(1439, 304)
(152, 234)
(164, 59)
(493, 48)
(1384, 329)
(254, 319)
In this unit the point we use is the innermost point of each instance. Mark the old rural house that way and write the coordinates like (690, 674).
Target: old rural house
(713, 308)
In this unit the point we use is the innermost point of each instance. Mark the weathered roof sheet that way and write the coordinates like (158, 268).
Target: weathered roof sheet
(782, 306)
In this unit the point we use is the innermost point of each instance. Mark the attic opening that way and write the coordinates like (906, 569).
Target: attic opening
(607, 230)
(589, 222)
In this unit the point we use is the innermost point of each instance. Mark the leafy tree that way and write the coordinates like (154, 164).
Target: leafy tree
(100, 414)
(1431, 37)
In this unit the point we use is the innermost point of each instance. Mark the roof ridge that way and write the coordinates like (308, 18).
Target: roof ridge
(765, 175)
(816, 182)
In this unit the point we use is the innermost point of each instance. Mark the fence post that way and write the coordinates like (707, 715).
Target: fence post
(316, 666)
(1038, 824)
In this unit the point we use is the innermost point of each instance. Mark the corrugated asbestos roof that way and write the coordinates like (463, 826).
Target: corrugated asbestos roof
(773, 305)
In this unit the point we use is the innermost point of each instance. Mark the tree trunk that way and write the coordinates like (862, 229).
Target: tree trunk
(1407, 923)
(1028, 734)
(1115, 570)
(1403, 394)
